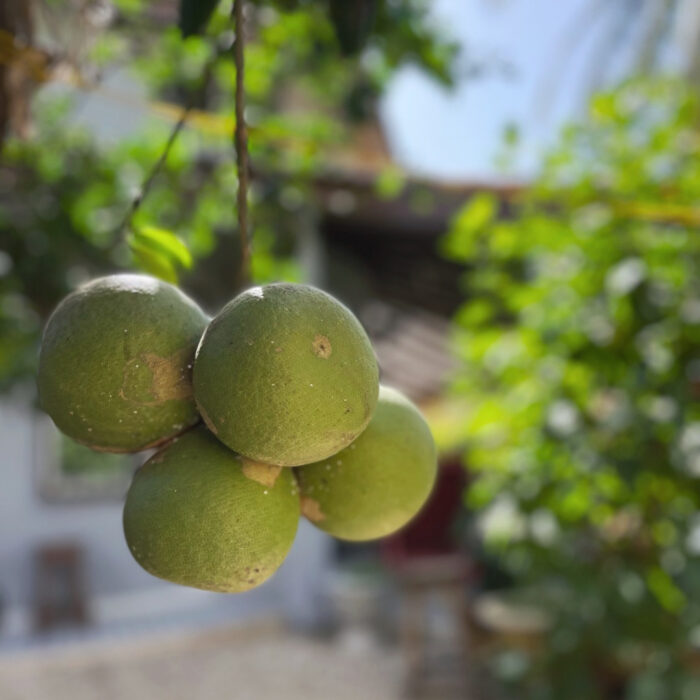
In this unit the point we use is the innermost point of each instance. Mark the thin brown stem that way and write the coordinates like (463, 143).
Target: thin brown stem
(157, 167)
(241, 142)
(187, 110)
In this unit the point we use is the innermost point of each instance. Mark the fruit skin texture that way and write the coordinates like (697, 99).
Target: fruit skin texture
(115, 363)
(199, 515)
(377, 484)
(286, 375)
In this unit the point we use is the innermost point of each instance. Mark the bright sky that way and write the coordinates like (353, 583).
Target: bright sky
(457, 134)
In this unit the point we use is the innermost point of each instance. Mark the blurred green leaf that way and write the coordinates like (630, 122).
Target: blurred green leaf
(665, 591)
(164, 242)
(390, 183)
(460, 244)
(150, 260)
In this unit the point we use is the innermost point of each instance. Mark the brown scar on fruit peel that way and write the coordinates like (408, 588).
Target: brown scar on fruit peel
(265, 474)
(312, 510)
(322, 347)
(170, 379)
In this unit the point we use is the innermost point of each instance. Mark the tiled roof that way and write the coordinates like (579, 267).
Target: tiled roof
(412, 347)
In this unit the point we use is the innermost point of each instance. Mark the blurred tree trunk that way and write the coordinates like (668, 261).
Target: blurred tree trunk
(670, 21)
(650, 36)
(687, 35)
(16, 83)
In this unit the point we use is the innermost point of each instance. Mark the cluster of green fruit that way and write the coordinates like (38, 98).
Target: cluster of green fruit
(284, 376)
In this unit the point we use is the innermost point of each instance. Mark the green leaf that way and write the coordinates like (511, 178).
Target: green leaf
(511, 134)
(460, 244)
(194, 15)
(151, 261)
(604, 106)
(478, 213)
(389, 183)
(669, 596)
(164, 242)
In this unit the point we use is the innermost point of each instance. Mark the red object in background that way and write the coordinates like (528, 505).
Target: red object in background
(431, 533)
(60, 597)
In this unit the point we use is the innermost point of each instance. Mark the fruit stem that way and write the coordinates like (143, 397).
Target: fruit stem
(241, 141)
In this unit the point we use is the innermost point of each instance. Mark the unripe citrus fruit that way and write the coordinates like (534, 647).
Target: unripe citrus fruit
(115, 363)
(377, 484)
(286, 375)
(199, 515)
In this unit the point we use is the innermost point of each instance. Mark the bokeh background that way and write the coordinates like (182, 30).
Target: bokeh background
(506, 193)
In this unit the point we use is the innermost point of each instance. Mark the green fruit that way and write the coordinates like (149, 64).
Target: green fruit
(199, 515)
(286, 375)
(115, 363)
(377, 484)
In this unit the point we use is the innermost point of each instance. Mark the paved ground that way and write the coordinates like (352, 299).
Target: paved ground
(264, 662)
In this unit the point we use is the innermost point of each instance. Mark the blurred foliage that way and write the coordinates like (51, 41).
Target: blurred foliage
(64, 196)
(580, 349)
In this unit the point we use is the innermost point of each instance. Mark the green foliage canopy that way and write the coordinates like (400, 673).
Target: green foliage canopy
(580, 350)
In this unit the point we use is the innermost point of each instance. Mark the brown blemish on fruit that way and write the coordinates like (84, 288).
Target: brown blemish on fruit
(170, 378)
(312, 510)
(322, 347)
(264, 474)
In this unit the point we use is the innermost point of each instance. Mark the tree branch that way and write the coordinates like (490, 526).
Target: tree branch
(158, 166)
(241, 141)
(155, 170)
